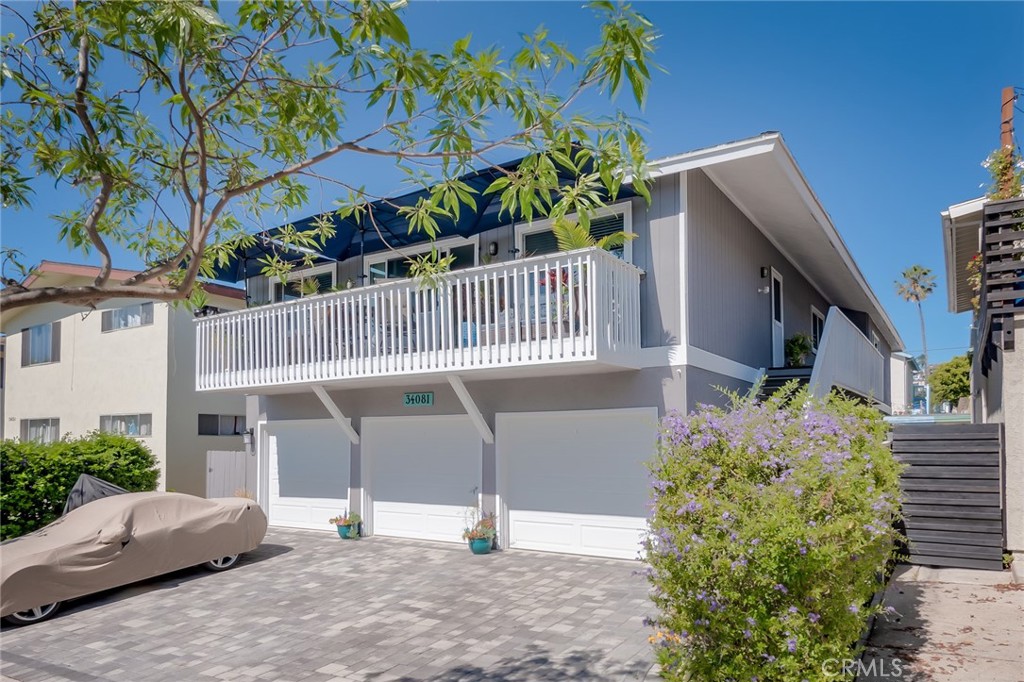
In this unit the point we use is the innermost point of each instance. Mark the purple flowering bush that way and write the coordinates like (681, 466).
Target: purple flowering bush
(771, 525)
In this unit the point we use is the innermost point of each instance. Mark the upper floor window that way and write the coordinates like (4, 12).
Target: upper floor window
(875, 341)
(539, 240)
(305, 282)
(817, 327)
(40, 344)
(221, 425)
(40, 430)
(127, 424)
(127, 317)
(391, 266)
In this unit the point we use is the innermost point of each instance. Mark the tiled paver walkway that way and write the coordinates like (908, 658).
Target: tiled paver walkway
(308, 606)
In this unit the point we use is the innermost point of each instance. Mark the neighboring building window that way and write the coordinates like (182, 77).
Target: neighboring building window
(221, 425)
(130, 316)
(817, 327)
(40, 344)
(544, 242)
(127, 424)
(307, 282)
(397, 267)
(40, 430)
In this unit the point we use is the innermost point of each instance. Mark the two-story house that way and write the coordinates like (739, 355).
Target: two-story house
(531, 381)
(991, 234)
(126, 367)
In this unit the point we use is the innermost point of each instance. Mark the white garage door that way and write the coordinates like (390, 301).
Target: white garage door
(424, 473)
(308, 471)
(576, 482)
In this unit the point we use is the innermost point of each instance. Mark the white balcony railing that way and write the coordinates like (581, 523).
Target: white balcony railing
(568, 307)
(847, 359)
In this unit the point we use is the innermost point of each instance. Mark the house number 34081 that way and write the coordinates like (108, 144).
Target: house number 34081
(418, 399)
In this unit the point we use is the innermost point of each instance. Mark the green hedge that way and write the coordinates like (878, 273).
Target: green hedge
(771, 525)
(35, 479)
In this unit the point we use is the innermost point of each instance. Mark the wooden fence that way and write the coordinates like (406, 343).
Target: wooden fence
(952, 493)
(228, 473)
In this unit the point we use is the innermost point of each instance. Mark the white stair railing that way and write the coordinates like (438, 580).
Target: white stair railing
(847, 359)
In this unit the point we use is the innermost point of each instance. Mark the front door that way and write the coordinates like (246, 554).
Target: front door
(778, 333)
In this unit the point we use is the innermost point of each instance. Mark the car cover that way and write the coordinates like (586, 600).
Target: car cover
(89, 488)
(121, 539)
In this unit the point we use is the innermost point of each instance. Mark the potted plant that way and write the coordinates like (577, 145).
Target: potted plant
(348, 525)
(480, 534)
(798, 347)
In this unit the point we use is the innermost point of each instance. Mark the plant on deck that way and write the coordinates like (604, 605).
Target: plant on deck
(770, 528)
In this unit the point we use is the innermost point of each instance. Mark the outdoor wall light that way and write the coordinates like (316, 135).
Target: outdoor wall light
(247, 438)
(764, 272)
(492, 248)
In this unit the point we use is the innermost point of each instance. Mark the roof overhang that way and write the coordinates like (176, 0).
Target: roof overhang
(961, 241)
(760, 176)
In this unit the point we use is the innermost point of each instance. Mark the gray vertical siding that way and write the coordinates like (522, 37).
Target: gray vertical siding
(656, 252)
(725, 253)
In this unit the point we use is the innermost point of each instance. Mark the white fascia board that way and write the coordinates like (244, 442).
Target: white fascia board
(949, 256)
(700, 158)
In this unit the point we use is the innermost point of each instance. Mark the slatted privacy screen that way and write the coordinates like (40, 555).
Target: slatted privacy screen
(952, 493)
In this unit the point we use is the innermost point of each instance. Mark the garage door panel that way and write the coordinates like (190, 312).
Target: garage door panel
(424, 474)
(308, 473)
(577, 481)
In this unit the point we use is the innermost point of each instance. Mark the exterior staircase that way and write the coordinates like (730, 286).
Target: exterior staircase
(777, 377)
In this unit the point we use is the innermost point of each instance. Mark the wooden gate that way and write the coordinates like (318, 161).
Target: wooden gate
(952, 493)
(228, 473)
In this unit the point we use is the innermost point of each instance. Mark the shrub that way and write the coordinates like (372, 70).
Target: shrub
(771, 527)
(35, 479)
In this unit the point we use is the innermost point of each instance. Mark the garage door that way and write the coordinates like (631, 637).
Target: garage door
(576, 482)
(424, 473)
(308, 472)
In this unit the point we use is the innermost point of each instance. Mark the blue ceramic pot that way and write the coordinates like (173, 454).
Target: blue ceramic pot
(348, 532)
(480, 545)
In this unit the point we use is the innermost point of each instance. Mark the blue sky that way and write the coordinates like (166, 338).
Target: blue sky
(889, 108)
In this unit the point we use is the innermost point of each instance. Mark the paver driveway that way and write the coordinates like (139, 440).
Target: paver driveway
(308, 606)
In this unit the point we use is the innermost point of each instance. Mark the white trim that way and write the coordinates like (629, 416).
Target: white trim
(683, 266)
(662, 356)
(471, 409)
(816, 313)
(623, 208)
(344, 422)
(777, 276)
(415, 249)
(702, 158)
(702, 359)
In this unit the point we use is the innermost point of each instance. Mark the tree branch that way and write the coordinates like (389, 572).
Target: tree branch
(87, 295)
(99, 205)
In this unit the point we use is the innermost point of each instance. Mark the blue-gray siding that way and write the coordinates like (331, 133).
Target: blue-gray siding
(725, 254)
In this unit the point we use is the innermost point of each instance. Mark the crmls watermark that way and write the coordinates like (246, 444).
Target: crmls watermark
(874, 669)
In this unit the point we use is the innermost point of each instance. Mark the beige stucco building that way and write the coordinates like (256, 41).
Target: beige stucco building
(128, 366)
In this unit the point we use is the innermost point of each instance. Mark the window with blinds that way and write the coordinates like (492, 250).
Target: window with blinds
(294, 288)
(221, 425)
(127, 317)
(542, 243)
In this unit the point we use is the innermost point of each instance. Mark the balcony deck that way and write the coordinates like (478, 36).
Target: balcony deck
(574, 311)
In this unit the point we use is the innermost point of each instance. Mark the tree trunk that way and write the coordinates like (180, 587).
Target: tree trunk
(927, 370)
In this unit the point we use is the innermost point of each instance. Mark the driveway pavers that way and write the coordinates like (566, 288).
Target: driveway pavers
(308, 606)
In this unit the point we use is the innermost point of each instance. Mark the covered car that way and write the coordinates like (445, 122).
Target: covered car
(119, 540)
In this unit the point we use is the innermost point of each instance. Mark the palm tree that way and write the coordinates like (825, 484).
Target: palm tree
(572, 235)
(917, 284)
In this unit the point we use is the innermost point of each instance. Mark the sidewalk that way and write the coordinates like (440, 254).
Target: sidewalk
(950, 625)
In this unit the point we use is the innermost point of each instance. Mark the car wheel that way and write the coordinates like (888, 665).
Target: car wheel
(29, 616)
(223, 563)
